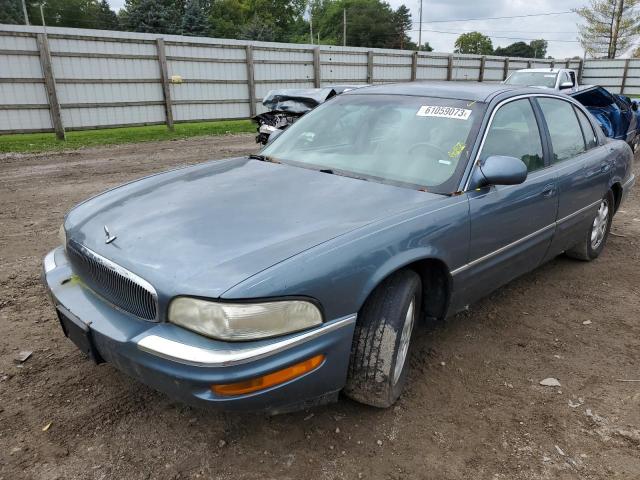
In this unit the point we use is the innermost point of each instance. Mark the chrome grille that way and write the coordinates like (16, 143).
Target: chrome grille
(115, 284)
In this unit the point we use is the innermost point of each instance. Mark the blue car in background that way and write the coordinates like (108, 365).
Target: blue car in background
(617, 115)
(275, 281)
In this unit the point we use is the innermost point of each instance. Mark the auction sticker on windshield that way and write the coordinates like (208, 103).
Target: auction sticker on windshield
(444, 112)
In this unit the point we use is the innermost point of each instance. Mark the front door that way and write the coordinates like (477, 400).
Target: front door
(511, 226)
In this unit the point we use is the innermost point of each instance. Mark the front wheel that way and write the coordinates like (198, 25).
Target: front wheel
(591, 246)
(378, 366)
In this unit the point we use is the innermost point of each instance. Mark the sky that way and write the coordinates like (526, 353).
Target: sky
(550, 27)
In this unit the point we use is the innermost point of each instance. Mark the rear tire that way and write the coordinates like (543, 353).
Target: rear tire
(382, 339)
(595, 238)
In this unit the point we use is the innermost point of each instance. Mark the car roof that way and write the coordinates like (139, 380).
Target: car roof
(471, 91)
(543, 70)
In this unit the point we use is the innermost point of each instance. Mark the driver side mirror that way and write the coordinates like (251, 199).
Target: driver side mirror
(634, 106)
(500, 170)
(565, 85)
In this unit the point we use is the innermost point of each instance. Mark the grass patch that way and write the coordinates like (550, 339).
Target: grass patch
(47, 142)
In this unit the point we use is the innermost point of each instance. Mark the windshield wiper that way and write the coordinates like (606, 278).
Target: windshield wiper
(255, 156)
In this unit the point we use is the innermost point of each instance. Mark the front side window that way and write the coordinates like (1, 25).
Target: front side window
(514, 133)
(417, 141)
(566, 135)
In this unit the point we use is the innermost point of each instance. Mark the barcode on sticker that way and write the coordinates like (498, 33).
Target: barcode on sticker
(444, 112)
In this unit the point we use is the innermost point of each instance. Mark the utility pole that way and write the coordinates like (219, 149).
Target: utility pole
(44, 25)
(24, 11)
(344, 27)
(311, 29)
(420, 31)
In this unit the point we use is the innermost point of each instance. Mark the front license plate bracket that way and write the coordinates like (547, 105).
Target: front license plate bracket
(79, 333)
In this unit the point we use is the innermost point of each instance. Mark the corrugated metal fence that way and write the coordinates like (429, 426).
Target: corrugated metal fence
(77, 79)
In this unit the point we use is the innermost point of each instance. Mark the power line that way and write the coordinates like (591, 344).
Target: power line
(499, 18)
(495, 36)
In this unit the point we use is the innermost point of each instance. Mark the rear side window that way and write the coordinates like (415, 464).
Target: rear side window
(514, 133)
(566, 135)
(590, 137)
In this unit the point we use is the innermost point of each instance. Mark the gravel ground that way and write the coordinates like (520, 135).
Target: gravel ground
(473, 409)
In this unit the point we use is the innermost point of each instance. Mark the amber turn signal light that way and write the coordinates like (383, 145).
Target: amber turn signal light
(270, 379)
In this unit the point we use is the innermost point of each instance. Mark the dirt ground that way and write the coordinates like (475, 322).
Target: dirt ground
(474, 408)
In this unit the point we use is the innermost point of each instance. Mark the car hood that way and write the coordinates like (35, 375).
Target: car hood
(203, 229)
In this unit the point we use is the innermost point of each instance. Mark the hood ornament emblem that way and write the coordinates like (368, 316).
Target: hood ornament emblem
(109, 238)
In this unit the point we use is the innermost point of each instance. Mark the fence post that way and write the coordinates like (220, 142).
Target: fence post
(50, 85)
(580, 70)
(316, 67)
(370, 67)
(505, 71)
(251, 81)
(624, 76)
(164, 78)
(483, 60)
(414, 66)
(450, 67)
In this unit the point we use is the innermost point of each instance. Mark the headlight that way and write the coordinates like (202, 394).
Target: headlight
(62, 235)
(243, 321)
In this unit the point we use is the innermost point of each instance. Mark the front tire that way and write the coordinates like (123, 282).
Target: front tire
(382, 340)
(591, 246)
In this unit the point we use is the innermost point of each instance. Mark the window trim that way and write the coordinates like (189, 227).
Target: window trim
(543, 141)
(540, 134)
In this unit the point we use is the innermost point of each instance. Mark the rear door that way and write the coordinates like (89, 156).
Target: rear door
(511, 226)
(582, 168)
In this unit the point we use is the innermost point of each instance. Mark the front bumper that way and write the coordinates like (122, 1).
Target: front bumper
(184, 365)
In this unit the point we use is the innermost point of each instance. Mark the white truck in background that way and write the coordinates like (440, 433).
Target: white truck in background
(553, 78)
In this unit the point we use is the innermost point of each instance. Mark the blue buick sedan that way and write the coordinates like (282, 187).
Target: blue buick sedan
(274, 282)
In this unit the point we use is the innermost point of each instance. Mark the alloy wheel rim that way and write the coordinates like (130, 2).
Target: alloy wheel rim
(405, 339)
(600, 223)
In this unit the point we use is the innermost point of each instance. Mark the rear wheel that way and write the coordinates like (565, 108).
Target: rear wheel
(596, 236)
(382, 340)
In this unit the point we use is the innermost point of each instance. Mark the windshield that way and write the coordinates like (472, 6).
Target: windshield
(533, 79)
(394, 139)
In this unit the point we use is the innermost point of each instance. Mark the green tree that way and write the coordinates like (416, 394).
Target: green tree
(277, 20)
(106, 18)
(611, 26)
(11, 12)
(152, 16)
(194, 20)
(475, 43)
(426, 47)
(370, 23)
(538, 48)
(66, 13)
(227, 17)
(517, 49)
(403, 24)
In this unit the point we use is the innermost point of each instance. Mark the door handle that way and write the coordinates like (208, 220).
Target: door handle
(549, 190)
